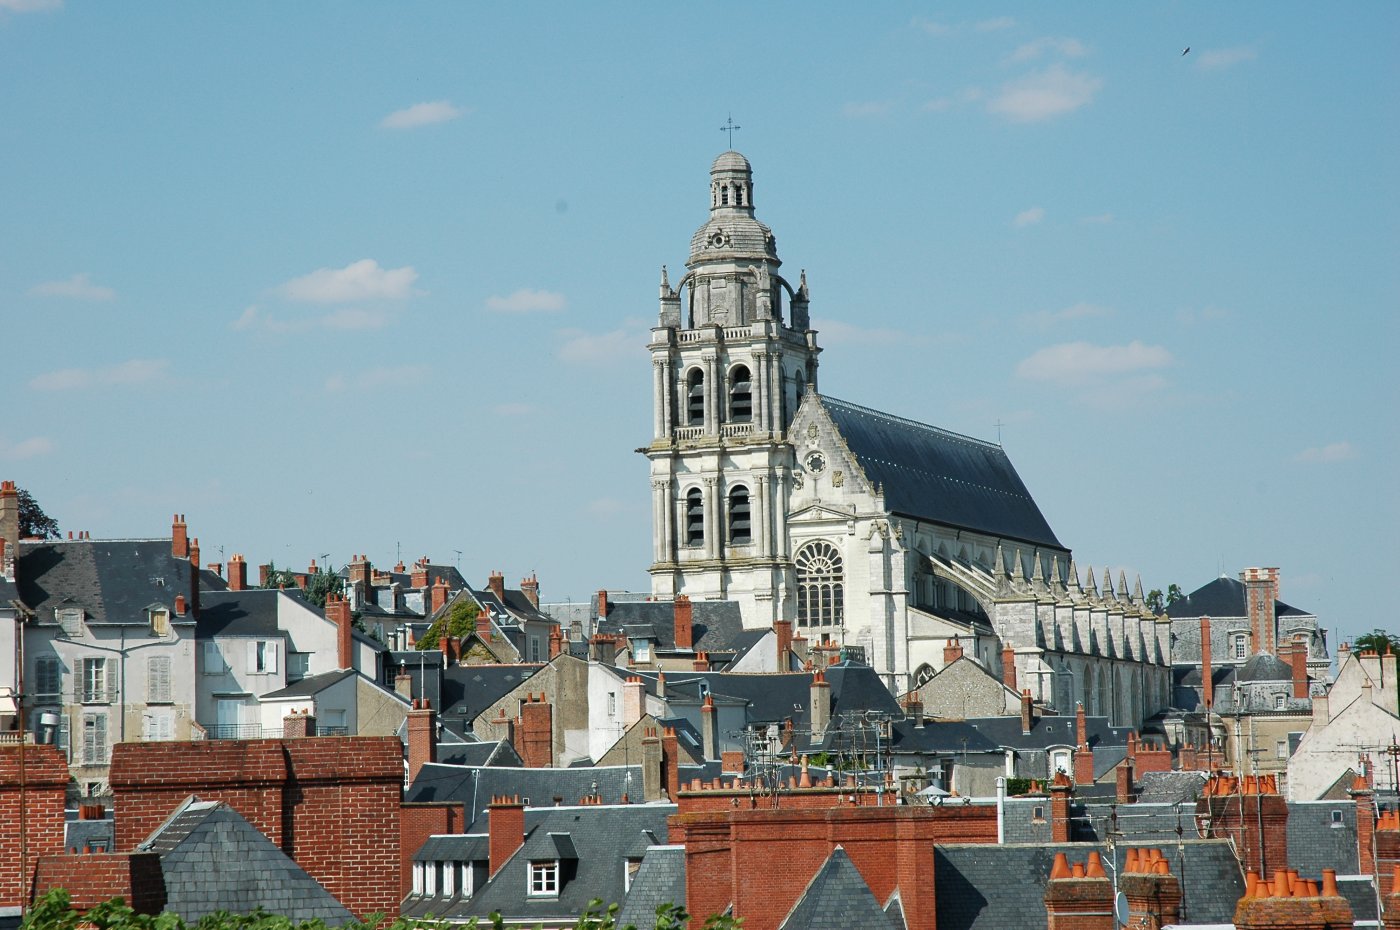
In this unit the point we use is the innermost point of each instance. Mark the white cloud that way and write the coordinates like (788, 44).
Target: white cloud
(26, 448)
(1064, 47)
(78, 287)
(1098, 219)
(361, 280)
(1044, 319)
(1045, 94)
(528, 301)
(136, 371)
(1083, 363)
(866, 109)
(374, 379)
(995, 24)
(1028, 217)
(422, 114)
(836, 332)
(1218, 59)
(1332, 452)
(344, 318)
(965, 96)
(931, 27)
(30, 6)
(585, 348)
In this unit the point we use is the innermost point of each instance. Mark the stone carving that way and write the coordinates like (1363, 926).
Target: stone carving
(838, 478)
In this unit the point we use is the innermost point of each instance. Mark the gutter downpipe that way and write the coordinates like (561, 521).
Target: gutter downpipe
(1001, 809)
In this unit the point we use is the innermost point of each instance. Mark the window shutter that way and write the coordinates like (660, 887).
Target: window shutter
(158, 679)
(148, 727)
(271, 656)
(47, 673)
(252, 667)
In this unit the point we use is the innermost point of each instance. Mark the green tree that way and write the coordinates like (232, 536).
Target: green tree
(321, 584)
(1378, 641)
(460, 620)
(33, 522)
(1157, 602)
(280, 577)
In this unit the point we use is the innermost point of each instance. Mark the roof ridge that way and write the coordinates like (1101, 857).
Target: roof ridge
(908, 422)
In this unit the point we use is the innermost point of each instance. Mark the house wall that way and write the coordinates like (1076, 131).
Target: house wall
(45, 785)
(235, 677)
(565, 683)
(378, 712)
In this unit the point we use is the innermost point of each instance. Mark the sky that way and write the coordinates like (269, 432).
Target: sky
(333, 279)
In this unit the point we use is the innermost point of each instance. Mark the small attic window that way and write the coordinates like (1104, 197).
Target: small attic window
(1337, 819)
(70, 619)
(160, 622)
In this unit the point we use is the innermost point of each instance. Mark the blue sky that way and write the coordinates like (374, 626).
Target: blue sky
(334, 278)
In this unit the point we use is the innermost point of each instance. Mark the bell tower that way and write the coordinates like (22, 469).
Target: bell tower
(732, 354)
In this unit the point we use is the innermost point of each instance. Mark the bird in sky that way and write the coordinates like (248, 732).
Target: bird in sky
(1185, 50)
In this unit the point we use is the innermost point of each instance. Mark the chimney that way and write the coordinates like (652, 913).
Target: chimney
(530, 587)
(820, 704)
(264, 573)
(418, 578)
(671, 762)
(534, 732)
(1027, 716)
(506, 826)
(1123, 781)
(403, 684)
(237, 573)
(1260, 592)
(497, 584)
(1207, 674)
(702, 662)
(1289, 901)
(633, 700)
(914, 708)
(602, 603)
(1298, 661)
(438, 599)
(556, 642)
(422, 736)
(709, 728)
(483, 623)
(179, 535)
(194, 577)
(1365, 800)
(297, 725)
(9, 523)
(952, 651)
(358, 572)
(1152, 891)
(1079, 897)
(1059, 808)
(652, 776)
(784, 630)
(1083, 755)
(180, 608)
(217, 568)
(685, 632)
(338, 612)
(1008, 667)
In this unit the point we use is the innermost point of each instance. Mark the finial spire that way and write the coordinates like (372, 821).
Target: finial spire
(729, 127)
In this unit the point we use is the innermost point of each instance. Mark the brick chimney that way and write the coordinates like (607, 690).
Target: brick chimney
(497, 584)
(338, 612)
(530, 587)
(179, 535)
(180, 606)
(709, 728)
(506, 827)
(298, 725)
(1392, 901)
(1298, 661)
(9, 525)
(1083, 755)
(403, 684)
(216, 567)
(633, 700)
(1008, 668)
(358, 572)
(438, 596)
(602, 603)
(1027, 712)
(1123, 781)
(783, 628)
(1153, 892)
(194, 577)
(483, 623)
(952, 651)
(1365, 800)
(422, 736)
(1207, 674)
(1387, 840)
(1260, 592)
(1292, 902)
(418, 578)
(820, 704)
(556, 642)
(237, 573)
(534, 732)
(653, 778)
(1079, 896)
(1249, 811)
(1059, 808)
(914, 708)
(671, 762)
(702, 662)
(685, 630)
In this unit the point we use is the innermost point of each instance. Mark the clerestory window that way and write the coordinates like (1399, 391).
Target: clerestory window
(695, 398)
(820, 585)
(694, 518)
(740, 395)
(740, 525)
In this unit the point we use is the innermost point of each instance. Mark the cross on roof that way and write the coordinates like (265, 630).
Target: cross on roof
(729, 127)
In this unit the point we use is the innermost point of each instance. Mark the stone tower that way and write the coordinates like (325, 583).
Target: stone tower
(732, 354)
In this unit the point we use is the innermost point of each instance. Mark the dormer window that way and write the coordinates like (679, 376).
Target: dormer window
(632, 866)
(641, 650)
(70, 619)
(1280, 701)
(160, 621)
(544, 878)
(1241, 646)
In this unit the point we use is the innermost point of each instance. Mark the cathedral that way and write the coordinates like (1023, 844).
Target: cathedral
(875, 531)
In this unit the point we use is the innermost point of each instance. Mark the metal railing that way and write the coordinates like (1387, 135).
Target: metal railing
(239, 731)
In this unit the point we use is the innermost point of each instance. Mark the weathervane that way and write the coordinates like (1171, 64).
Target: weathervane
(729, 127)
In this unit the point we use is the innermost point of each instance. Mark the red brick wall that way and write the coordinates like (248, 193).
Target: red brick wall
(534, 732)
(1258, 823)
(45, 783)
(892, 847)
(331, 803)
(419, 820)
(92, 878)
(1387, 839)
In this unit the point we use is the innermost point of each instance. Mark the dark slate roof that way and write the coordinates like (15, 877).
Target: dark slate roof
(312, 684)
(936, 475)
(97, 834)
(214, 860)
(1361, 895)
(1223, 597)
(940, 736)
(112, 580)
(1170, 787)
(837, 898)
(592, 843)
(1316, 842)
(467, 690)
(1264, 667)
(660, 880)
(251, 612)
(1136, 824)
(971, 892)
(9, 591)
(1049, 731)
(492, 752)
(454, 847)
(716, 626)
(474, 786)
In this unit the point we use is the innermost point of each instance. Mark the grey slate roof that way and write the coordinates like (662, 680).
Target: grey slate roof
(1170, 787)
(474, 786)
(1317, 842)
(837, 898)
(1050, 731)
(1223, 597)
(936, 475)
(716, 626)
(312, 684)
(660, 880)
(97, 834)
(112, 580)
(490, 752)
(454, 847)
(1264, 667)
(251, 612)
(970, 882)
(214, 860)
(467, 690)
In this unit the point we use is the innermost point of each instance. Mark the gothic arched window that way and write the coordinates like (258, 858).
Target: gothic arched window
(740, 524)
(820, 585)
(695, 397)
(694, 518)
(740, 395)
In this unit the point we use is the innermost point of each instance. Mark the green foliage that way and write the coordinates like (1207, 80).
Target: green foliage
(53, 911)
(1158, 602)
(323, 583)
(1378, 641)
(33, 522)
(280, 577)
(1018, 786)
(460, 620)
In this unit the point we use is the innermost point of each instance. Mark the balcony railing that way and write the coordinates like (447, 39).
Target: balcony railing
(239, 731)
(689, 432)
(735, 429)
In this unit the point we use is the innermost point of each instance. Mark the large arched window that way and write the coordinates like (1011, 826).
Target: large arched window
(740, 395)
(695, 397)
(820, 585)
(694, 518)
(740, 525)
